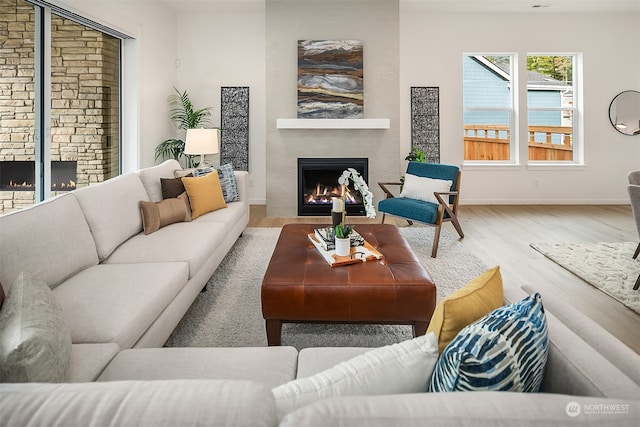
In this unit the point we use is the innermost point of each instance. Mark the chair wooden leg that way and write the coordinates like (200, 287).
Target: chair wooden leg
(436, 240)
(637, 285)
(410, 222)
(456, 225)
(635, 254)
(383, 215)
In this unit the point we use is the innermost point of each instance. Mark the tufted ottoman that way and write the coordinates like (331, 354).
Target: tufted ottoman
(300, 286)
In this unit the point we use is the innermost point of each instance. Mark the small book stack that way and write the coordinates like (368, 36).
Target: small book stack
(325, 236)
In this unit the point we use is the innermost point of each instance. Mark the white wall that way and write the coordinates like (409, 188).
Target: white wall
(431, 49)
(222, 44)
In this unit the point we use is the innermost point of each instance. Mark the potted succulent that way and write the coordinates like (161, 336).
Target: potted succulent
(343, 231)
(183, 114)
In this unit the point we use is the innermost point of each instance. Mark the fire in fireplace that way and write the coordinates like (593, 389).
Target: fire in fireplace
(318, 184)
(20, 176)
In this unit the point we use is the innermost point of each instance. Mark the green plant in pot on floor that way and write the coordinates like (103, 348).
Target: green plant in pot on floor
(343, 231)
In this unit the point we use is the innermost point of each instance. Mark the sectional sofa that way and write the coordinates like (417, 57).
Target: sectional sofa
(123, 292)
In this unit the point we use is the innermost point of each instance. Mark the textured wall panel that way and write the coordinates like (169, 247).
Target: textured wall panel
(234, 121)
(425, 121)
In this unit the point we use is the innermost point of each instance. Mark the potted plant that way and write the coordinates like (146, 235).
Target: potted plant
(183, 114)
(343, 231)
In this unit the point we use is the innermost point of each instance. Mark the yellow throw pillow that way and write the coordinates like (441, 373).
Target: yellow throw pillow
(205, 194)
(156, 215)
(466, 305)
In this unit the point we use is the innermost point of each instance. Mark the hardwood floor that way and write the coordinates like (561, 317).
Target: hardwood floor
(500, 235)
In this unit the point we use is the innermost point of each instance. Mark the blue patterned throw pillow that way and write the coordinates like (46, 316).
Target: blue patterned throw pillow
(227, 181)
(504, 351)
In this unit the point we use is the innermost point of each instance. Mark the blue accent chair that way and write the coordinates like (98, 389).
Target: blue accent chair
(422, 211)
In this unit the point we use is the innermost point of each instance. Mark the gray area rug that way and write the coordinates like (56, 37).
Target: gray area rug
(607, 266)
(229, 313)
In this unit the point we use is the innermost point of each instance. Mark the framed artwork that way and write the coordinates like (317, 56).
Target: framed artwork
(425, 121)
(234, 124)
(330, 79)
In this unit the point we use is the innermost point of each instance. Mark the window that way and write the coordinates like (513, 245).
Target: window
(488, 108)
(59, 103)
(550, 107)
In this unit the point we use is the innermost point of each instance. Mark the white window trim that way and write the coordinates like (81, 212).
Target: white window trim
(514, 129)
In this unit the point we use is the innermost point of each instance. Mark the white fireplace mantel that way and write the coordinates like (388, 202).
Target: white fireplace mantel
(333, 123)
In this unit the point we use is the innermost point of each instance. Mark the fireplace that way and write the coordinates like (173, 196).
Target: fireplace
(20, 176)
(318, 184)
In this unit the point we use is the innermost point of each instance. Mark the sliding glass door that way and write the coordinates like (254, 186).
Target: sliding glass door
(59, 104)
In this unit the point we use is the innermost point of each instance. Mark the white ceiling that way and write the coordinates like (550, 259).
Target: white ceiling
(480, 6)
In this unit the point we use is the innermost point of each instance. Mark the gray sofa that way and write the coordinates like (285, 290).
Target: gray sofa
(118, 287)
(124, 377)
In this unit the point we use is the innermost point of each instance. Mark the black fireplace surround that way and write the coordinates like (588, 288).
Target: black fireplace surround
(20, 175)
(318, 183)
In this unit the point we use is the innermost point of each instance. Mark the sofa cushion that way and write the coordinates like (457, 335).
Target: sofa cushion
(116, 303)
(205, 194)
(422, 188)
(89, 360)
(505, 350)
(139, 403)
(112, 210)
(50, 240)
(150, 177)
(35, 344)
(399, 368)
(466, 305)
(477, 409)
(156, 215)
(271, 366)
(312, 360)
(191, 242)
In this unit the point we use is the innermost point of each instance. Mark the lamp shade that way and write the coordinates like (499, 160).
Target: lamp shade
(201, 141)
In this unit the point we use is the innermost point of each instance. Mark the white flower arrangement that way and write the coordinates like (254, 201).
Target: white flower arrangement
(352, 175)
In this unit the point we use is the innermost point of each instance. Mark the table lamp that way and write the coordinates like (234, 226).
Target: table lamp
(201, 141)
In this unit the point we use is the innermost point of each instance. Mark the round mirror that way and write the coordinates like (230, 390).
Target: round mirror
(624, 112)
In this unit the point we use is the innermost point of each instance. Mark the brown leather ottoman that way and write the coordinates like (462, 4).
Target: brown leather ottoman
(300, 286)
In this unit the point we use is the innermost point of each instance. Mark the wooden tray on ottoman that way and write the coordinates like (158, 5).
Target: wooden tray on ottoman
(300, 286)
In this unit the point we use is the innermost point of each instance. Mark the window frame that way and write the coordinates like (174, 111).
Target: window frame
(577, 142)
(512, 110)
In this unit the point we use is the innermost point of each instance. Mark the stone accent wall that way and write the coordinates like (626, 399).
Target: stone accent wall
(84, 97)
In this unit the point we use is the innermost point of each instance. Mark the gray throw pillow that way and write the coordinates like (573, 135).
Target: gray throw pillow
(35, 343)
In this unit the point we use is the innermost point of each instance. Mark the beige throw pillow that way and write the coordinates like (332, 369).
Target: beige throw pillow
(156, 215)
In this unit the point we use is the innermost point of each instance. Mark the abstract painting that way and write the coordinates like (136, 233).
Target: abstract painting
(330, 79)
(425, 121)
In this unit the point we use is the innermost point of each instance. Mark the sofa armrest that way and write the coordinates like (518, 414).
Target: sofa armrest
(139, 403)
(478, 409)
(242, 182)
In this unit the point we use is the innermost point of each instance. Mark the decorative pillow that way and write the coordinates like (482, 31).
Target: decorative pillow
(466, 305)
(420, 188)
(205, 194)
(35, 343)
(399, 368)
(179, 173)
(185, 200)
(227, 181)
(172, 187)
(156, 215)
(504, 351)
